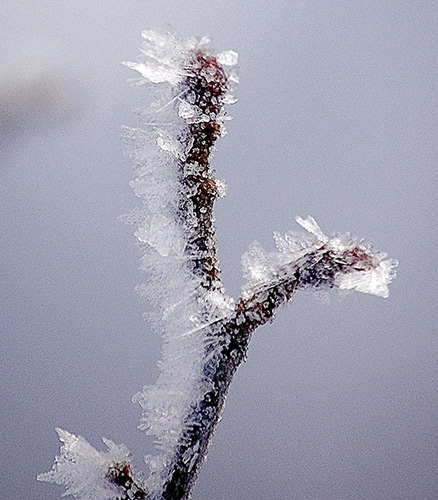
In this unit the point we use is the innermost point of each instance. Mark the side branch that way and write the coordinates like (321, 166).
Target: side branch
(316, 268)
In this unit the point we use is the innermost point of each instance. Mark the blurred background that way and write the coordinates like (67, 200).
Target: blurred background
(336, 118)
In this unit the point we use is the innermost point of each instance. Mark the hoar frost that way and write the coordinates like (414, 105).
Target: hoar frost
(84, 471)
(175, 225)
(206, 333)
(358, 267)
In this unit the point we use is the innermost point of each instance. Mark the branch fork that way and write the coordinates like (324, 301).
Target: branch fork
(206, 333)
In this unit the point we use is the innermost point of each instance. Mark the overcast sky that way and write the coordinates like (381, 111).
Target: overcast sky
(336, 118)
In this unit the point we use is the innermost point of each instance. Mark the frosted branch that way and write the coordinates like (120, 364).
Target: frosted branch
(303, 261)
(205, 332)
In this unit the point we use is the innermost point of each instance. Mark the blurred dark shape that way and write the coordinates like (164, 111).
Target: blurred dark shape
(38, 91)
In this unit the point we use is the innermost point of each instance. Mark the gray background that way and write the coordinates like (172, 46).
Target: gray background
(336, 118)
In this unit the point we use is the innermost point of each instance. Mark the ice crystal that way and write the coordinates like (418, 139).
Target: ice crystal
(319, 262)
(84, 471)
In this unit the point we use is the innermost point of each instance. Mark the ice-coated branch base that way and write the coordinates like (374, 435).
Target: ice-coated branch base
(206, 333)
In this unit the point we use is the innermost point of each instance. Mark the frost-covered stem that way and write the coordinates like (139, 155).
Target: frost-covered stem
(236, 332)
(206, 333)
(252, 310)
(209, 93)
(207, 83)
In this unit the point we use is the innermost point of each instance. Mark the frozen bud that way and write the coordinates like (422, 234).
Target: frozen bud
(86, 473)
(344, 263)
(367, 272)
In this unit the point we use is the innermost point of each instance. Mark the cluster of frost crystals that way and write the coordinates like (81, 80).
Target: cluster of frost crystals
(83, 470)
(164, 60)
(165, 224)
(320, 261)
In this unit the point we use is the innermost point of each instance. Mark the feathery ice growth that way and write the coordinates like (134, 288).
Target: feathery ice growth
(205, 332)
